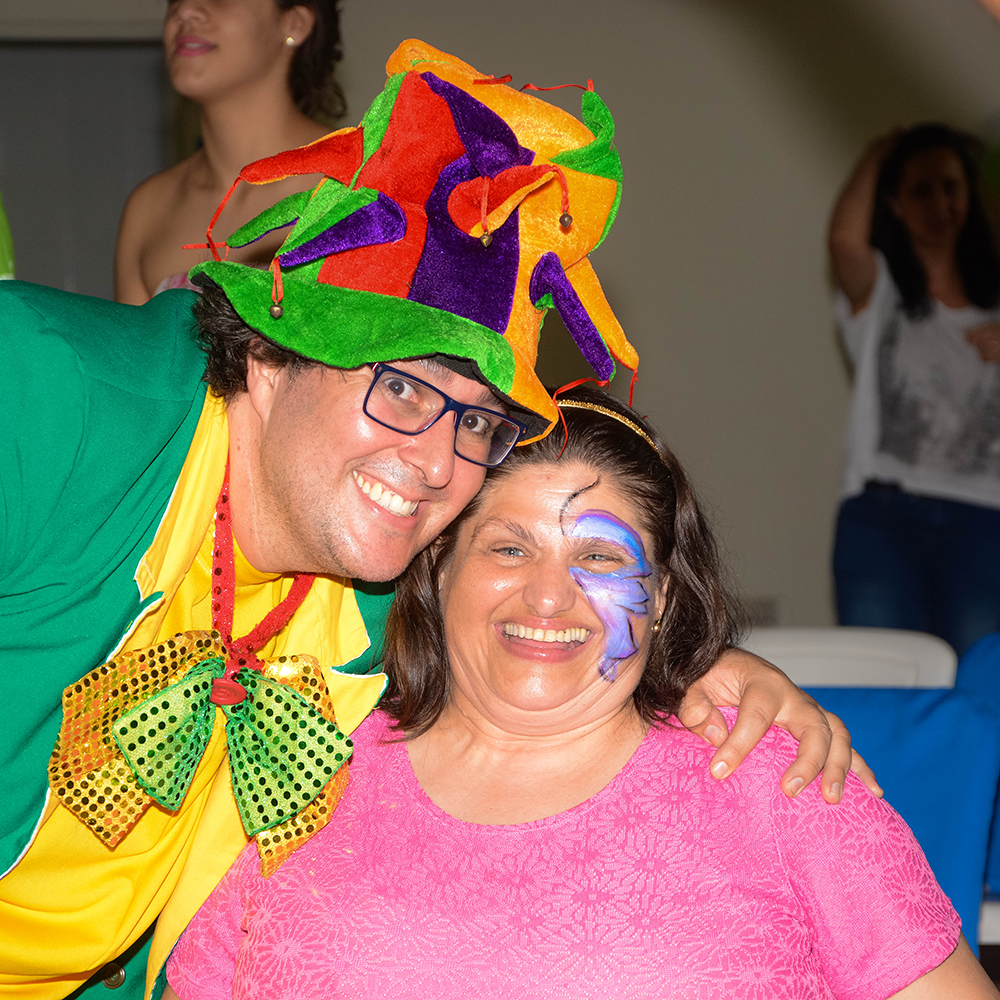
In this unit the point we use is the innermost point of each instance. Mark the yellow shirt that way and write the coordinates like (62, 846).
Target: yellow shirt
(73, 904)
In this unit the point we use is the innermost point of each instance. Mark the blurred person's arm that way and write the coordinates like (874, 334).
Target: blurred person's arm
(993, 6)
(851, 252)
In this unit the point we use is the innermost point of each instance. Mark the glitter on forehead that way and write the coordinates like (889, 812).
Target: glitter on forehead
(615, 596)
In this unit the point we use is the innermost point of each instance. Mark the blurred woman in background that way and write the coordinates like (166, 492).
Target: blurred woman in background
(918, 276)
(261, 73)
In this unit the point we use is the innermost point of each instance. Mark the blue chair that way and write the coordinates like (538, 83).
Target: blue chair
(936, 753)
(979, 674)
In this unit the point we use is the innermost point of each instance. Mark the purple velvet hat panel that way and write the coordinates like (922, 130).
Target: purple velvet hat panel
(456, 272)
(489, 141)
(549, 277)
(380, 221)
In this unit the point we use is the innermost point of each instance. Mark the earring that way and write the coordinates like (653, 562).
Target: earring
(290, 42)
(656, 627)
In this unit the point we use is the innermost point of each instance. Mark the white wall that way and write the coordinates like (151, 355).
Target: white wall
(737, 122)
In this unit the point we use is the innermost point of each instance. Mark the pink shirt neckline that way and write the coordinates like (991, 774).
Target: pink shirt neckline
(637, 758)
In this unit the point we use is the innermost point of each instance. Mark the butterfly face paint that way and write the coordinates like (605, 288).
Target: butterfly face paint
(616, 596)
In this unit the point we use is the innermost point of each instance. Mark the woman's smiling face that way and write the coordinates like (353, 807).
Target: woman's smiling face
(548, 600)
(215, 46)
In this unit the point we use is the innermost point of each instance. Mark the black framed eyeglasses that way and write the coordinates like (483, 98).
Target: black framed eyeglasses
(402, 402)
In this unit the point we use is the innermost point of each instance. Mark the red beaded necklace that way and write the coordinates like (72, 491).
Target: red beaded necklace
(241, 652)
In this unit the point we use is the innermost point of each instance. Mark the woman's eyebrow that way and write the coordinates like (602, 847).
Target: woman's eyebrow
(514, 528)
(603, 539)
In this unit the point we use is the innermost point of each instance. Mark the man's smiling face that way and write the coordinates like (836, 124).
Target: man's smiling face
(336, 493)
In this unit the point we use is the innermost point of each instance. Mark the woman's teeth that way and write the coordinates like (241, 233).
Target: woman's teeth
(546, 634)
(384, 497)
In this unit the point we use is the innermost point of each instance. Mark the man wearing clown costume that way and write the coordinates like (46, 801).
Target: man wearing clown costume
(188, 639)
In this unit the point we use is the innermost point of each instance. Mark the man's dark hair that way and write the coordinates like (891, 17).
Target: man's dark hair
(228, 342)
(699, 622)
(976, 252)
(315, 91)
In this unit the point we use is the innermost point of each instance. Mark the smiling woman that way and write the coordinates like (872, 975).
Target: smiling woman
(525, 818)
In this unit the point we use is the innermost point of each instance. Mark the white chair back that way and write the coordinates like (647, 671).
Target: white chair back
(857, 657)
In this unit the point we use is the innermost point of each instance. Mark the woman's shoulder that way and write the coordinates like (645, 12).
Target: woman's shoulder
(159, 189)
(671, 738)
(147, 230)
(167, 198)
(755, 785)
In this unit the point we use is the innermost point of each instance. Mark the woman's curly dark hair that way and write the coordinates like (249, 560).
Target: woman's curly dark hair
(976, 253)
(700, 621)
(314, 89)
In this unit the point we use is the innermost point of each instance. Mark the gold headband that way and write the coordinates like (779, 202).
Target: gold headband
(579, 404)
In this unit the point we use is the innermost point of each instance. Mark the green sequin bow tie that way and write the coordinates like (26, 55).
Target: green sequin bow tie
(281, 750)
(108, 772)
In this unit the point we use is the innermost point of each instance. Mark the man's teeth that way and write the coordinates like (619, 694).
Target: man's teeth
(546, 634)
(384, 497)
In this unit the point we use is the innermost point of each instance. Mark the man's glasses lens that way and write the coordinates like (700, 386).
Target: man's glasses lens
(405, 403)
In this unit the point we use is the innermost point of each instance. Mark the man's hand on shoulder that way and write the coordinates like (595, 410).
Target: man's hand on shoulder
(764, 696)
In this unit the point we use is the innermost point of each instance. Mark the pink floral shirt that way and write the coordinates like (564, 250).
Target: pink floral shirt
(666, 883)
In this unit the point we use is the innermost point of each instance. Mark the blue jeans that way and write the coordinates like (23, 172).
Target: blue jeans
(916, 562)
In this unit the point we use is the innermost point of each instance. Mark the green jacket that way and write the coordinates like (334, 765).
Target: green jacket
(103, 401)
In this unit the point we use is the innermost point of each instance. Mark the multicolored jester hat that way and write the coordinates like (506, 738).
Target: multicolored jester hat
(447, 223)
